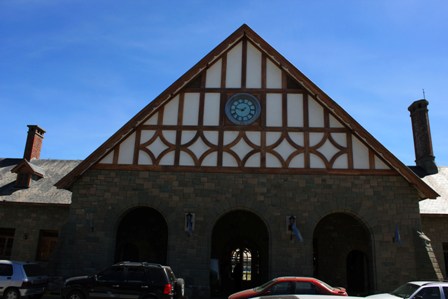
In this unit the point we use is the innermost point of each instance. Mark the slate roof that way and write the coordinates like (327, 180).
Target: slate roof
(41, 190)
(439, 182)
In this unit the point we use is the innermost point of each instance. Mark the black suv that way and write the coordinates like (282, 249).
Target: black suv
(130, 280)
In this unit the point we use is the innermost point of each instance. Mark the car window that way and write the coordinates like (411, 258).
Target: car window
(111, 274)
(281, 288)
(305, 288)
(428, 293)
(5, 270)
(135, 274)
(33, 270)
(156, 275)
(445, 291)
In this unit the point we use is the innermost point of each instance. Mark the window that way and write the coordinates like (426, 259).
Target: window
(445, 257)
(6, 241)
(242, 262)
(5, 270)
(135, 274)
(429, 293)
(445, 291)
(47, 243)
(281, 288)
(112, 274)
(305, 288)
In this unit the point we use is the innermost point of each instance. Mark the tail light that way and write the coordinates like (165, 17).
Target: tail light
(167, 289)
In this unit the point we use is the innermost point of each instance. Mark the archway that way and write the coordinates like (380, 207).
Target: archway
(343, 253)
(239, 252)
(142, 235)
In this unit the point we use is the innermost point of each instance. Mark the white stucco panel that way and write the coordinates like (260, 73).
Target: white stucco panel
(360, 154)
(253, 161)
(334, 123)
(199, 148)
(157, 147)
(253, 73)
(297, 161)
(228, 160)
(210, 160)
(191, 109)
(316, 114)
(146, 135)
(273, 75)
(295, 110)
(316, 161)
(211, 136)
(272, 161)
(233, 71)
(241, 149)
(229, 137)
(108, 159)
(297, 138)
(379, 164)
(274, 109)
(185, 159)
(254, 137)
(341, 162)
(126, 153)
(152, 120)
(211, 109)
(213, 75)
(144, 158)
(170, 111)
(315, 138)
(168, 159)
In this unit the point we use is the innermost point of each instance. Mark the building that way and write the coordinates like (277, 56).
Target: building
(245, 160)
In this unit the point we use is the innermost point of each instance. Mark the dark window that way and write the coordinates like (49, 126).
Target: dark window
(429, 293)
(6, 241)
(135, 274)
(281, 288)
(47, 243)
(445, 257)
(33, 270)
(112, 274)
(305, 288)
(5, 270)
(156, 275)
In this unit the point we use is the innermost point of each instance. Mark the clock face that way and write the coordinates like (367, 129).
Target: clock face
(243, 109)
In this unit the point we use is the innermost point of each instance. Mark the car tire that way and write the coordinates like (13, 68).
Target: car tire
(76, 294)
(11, 294)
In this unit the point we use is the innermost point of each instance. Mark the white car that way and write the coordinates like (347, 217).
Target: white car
(306, 297)
(417, 290)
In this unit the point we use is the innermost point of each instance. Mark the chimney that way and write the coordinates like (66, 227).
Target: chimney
(424, 156)
(33, 143)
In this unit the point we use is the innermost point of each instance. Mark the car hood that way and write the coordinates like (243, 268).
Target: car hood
(383, 296)
(243, 294)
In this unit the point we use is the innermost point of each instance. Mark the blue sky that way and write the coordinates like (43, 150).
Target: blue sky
(82, 69)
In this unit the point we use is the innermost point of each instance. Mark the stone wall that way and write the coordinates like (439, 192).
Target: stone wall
(380, 203)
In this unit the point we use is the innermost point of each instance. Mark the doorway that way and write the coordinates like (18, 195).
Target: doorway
(239, 254)
(342, 253)
(142, 235)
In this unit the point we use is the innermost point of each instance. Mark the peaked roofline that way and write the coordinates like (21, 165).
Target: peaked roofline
(424, 190)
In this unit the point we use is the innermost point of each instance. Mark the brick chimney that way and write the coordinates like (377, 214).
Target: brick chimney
(424, 156)
(33, 143)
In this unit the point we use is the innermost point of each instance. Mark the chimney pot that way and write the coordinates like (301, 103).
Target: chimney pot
(424, 156)
(33, 142)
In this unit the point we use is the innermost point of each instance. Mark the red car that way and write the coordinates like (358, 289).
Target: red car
(291, 285)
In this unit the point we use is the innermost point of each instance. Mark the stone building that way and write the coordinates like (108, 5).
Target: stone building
(245, 160)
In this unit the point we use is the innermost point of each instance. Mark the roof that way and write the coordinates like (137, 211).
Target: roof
(42, 189)
(245, 32)
(439, 182)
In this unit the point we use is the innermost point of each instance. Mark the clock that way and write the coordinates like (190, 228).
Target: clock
(242, 109)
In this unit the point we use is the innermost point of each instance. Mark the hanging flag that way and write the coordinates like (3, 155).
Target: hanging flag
(296, 232)
(397, 237)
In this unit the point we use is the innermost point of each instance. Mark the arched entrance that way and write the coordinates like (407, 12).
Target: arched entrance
(239, 253)
(142, 235)
(343, 253)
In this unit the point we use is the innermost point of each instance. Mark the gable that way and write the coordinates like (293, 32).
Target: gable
(299, 128)
(293, 133)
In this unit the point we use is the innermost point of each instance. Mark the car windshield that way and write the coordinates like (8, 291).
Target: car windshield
(405, 290)
(264, 286)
